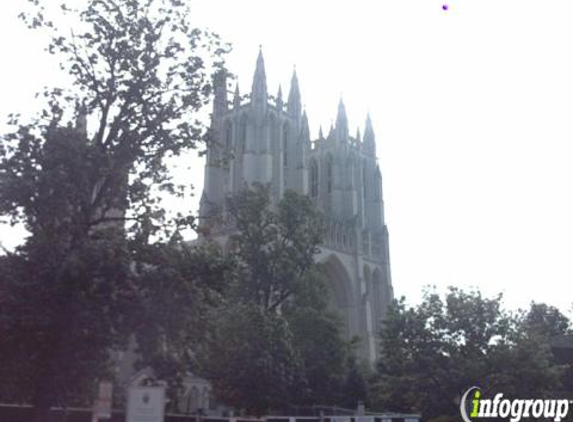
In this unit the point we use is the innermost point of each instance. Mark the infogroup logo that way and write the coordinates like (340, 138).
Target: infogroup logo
(516, 409)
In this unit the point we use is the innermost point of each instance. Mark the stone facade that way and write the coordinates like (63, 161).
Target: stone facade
(261, 138)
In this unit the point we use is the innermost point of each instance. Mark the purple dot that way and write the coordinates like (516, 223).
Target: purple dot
(445, 7)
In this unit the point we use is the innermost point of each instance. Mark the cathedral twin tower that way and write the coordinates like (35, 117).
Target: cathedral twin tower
(263, 139)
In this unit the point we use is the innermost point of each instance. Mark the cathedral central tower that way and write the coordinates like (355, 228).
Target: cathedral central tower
(260, 138)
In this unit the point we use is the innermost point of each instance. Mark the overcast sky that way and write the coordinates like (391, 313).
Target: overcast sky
(472, 109)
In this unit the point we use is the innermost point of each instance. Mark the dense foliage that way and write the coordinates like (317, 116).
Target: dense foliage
(139, 74)
(277, 344)
(103, 263)
(435, 351)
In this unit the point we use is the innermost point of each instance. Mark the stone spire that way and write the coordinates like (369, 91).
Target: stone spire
(305, 131)
(259, 90)
(369, 138)
(320, 134)
(358, 136)
(81, 119)
(341, 126)
(302, 148)
(280, 102)
(330, 136)
(237, 97)
(294, 102)
(220, 105)
(378, 201)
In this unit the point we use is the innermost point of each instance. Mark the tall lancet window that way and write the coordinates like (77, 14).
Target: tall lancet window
(243, 134)
(329, 174)
(378, 187)
(285, 145)
(350, 171)
(228, 134)
(313, 178)
(364, 182)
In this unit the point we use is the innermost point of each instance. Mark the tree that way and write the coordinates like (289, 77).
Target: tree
(434, 352)
(253, 363)
(70, 293)
(546, 320)
(274, 247)
(318, 336)
(181, 286)
(276, 344)
(138, 79)
(355, 387)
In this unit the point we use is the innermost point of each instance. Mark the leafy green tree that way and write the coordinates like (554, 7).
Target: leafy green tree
(275, 247)
(318, 336)
(355, 387)
(546, 320)
(277, 343)
(66, 284)
(138, 79)
(181, 286)
(253, 364)
(432, 353)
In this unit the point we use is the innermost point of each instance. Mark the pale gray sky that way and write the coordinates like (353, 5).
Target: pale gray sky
(472, 108)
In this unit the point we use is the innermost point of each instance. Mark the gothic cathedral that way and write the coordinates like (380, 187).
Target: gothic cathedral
(267, 140)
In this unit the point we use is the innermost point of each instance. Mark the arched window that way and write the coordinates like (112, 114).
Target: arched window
(194, 399)
(329, 174)
(378, 294)
(367, 282)
(205, 401)
(313, 178)
(350, 171)
(243, 133)
(228, 134)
